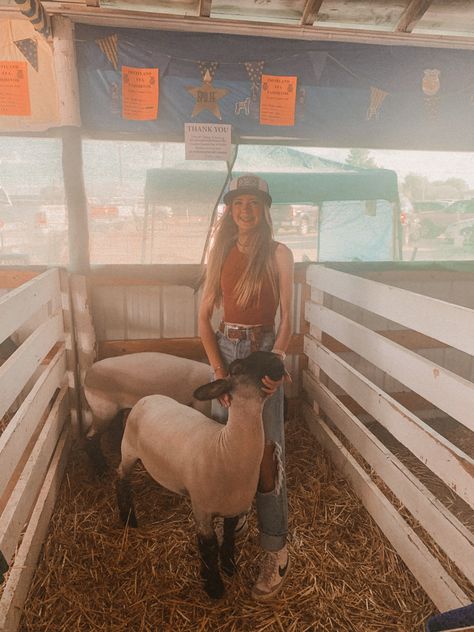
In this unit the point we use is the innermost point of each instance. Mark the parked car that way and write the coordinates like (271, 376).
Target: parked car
(432, 220)
(300, 217)
(461, 233)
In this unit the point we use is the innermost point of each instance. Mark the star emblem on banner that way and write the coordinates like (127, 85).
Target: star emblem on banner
(207, 97)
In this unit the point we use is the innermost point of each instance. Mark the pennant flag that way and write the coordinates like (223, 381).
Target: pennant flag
(33, 10)
(254, 70)
(377, 97)
(108, 45)
(318, 61)
(208, 66)
(29, 48)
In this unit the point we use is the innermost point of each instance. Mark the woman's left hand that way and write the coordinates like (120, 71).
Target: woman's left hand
(271, 386)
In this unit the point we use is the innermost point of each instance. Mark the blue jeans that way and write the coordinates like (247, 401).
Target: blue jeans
(272, 507)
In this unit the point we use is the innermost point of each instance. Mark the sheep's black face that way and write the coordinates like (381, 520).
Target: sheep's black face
(250, 370)
(257, 365)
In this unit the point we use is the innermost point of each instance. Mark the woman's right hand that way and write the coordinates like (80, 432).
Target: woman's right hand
(222, 374)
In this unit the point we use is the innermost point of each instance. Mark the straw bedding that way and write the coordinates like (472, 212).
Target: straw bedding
(95, 576)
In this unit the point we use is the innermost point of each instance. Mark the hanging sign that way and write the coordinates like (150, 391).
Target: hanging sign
(140, 93)
(207, 141)
(278, 100)
(14, 91)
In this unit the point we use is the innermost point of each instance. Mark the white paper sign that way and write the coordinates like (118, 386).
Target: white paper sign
(207, 141)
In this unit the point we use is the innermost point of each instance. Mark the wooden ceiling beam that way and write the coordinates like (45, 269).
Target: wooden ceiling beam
(205, 8)
(141, 19)
(310, 12)
(93, 3)
(412, 14)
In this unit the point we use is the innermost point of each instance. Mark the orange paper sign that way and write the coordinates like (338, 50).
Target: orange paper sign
(140, 91)
(14, 92)
(277, 100)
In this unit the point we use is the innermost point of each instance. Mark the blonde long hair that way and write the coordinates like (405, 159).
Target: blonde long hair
(261, 261)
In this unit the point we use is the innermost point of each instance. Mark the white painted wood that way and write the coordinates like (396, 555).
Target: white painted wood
(21, 427)
(141, 19)
(143, 312)
(178, 312)
(20, 366)
(71, 356)
(444, 389)
(17, 306)
(450, 534)
(438, 585)
(452, 324)
(66, 71)
(110, 312)
(23, 497)
(21, 573)
(447, 461)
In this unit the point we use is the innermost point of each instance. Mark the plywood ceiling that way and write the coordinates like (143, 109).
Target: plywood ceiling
(441, 23)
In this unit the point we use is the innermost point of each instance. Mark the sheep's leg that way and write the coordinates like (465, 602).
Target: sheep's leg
(209, 554)
(95, 454)
(227, 549)
(125, 496)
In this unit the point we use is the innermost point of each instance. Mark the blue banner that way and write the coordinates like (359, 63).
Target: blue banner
(347, 95)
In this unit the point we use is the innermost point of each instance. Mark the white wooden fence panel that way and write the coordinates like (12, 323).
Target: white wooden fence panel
(20, 366)
(444, 528)
(17, 306)
(21, 427)
(422, 313)
(439, 586)
(444, 459)
(23, 497)
(21, 573)
(447, 391)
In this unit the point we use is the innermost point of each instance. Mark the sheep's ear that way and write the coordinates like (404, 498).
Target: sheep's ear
(213, 390)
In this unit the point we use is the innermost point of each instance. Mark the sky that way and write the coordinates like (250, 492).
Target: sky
(435, 165)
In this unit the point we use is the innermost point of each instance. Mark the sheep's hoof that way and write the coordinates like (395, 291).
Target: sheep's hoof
(215, 589)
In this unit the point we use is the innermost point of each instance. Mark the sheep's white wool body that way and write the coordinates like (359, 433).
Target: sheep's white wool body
(217, 465)
(114, 384)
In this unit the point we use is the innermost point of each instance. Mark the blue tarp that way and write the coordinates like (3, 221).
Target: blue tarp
(333, 89)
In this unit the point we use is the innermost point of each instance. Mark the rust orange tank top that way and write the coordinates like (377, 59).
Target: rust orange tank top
(261, 313)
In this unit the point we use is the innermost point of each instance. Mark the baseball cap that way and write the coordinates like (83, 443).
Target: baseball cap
(248, 184)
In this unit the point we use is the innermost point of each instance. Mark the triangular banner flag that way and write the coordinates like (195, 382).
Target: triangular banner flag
(318, 61)
(208, 66)
(108, 45)
(377, 97)
(254, 70)
(29, 49)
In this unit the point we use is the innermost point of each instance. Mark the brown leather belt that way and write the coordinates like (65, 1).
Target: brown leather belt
(254, 333)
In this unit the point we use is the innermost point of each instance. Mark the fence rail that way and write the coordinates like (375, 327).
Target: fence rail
(36, 437)
(444, 389)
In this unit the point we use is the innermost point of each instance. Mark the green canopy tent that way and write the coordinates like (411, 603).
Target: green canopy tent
(314, 181)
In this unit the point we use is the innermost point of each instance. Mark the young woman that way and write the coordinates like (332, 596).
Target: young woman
(250, 276)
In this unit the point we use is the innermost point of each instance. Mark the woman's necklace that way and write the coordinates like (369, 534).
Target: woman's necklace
(242, 246)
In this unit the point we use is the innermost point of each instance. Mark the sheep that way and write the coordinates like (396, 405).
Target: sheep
(216, 465)
(115, 384)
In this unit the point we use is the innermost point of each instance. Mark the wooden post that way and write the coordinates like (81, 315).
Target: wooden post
(84, 333)
(68, 97)
(76, 200)
(73, 379)
(317, 296)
